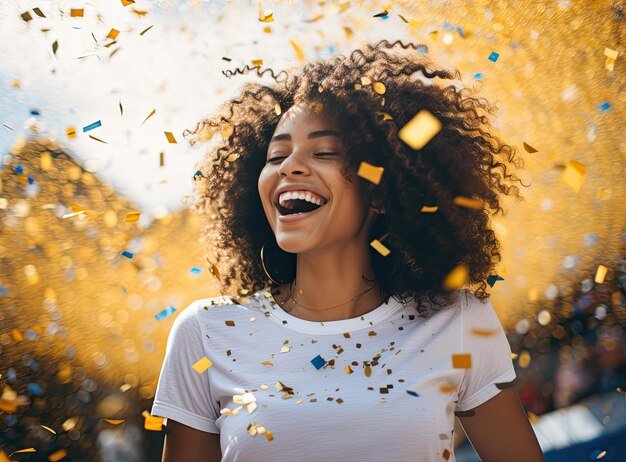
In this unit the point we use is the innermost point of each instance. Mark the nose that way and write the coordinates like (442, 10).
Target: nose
(294, 163)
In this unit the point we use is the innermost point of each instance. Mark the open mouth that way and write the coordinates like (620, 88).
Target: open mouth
(297, 207)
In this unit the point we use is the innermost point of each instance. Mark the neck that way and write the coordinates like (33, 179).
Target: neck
(326, 284)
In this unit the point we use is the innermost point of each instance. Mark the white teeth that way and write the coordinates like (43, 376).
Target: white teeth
(305, 195)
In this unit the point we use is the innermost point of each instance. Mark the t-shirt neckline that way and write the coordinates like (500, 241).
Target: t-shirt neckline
(370, 319)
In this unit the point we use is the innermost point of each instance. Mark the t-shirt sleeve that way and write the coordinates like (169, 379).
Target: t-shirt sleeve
(182, 394)
(491, 361)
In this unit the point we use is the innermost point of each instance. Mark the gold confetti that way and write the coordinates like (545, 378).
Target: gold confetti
(113, 33)
(483, 332)
(267, 363)
(26, 16)
(343, 6)
(574, 175)
(380, 88)
(132, 217)
(462, 361)
(447, 388)
(611, 56)
(468, 202)
(368, 371)
(232, 157)
(57, 455)
(114, 421)
(17, 336)
(202, 365)
(456, 278)
(70, 132)
(146, 30)
(127, 2)
(150, 115)
(600, 274)
(77, 12)
(386, 116)
(153, 423)
(55, 47)
(446, 454)
(529, 148)
(277, 109)
(97, 139)
(39, 13)
(420, 129)
(429, 209)
(380, 248)
(267, 16)
(298, 50)
(49, 429)
(170, 137)
(349, 33)
(370, 172)
(257, 62)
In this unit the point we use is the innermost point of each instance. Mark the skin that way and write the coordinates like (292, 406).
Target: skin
(332, 255)
(331, 246)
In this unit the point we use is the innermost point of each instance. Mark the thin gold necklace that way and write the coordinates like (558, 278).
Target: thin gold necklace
(294, 300)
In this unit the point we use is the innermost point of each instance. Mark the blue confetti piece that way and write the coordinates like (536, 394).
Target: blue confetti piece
(479, 75)
(412, 393)
(605, 106)
(92, 126)
(447, 26)
(459, 29)
(576, 310)
(493, 56)
(34, 112)
(124, 291)
(34, 388)
(127, 254)
(195, 269)
(30, 180)
(491, 280)
(318, 362)
(3, 290)
(18, 169)
(165, 313)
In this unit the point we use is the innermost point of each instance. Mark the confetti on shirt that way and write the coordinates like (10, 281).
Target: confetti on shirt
(202, 365)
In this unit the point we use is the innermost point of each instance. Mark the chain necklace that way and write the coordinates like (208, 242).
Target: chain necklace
(294, 300)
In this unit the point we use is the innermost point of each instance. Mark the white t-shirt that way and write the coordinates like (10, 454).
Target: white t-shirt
(403, 411)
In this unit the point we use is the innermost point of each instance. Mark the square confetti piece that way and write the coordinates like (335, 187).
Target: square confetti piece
(574, 175)
(153, 423)
(318, 362)
(170, 137)
(420, 129)
(202, 365)
(462, 361)
(494, 56)
(127, 254)
(370, 172)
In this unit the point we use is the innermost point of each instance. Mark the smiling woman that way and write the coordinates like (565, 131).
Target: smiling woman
(314, 192)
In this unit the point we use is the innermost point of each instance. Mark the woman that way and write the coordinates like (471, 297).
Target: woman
(350, 337)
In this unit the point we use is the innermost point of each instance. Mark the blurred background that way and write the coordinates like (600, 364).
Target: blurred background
(99, 252)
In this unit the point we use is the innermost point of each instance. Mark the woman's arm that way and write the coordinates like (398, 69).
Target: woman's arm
(186, 444)
(499, 430)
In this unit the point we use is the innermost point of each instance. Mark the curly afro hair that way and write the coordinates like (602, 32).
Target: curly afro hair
(462, 160)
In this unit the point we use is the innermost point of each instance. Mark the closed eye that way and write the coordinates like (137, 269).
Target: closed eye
(317, 154)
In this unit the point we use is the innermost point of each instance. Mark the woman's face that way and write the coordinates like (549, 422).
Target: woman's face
(306, 153)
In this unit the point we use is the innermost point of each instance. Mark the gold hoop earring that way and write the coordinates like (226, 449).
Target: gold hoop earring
(265, 269)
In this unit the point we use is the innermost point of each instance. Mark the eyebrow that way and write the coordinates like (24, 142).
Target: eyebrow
(317, 134)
